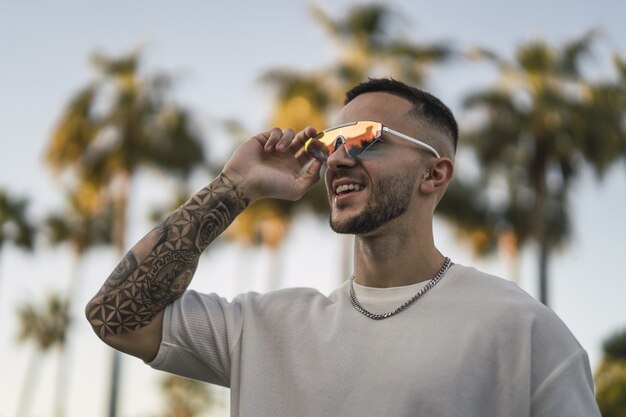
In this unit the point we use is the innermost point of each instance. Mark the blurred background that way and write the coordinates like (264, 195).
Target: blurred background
(112, 113)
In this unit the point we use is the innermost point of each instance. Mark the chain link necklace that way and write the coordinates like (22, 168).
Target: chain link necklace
(424, 290)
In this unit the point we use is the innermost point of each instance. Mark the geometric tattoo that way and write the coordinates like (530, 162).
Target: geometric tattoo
(147, 280)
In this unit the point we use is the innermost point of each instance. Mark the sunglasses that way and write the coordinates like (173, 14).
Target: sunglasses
(356, 137)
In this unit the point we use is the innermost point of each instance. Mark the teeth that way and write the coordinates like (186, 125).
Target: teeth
(348, 187)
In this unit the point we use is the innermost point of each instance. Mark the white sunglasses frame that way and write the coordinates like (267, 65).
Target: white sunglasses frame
(410, 139)
(386, 129)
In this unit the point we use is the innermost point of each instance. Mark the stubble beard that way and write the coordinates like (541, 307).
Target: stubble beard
(389, 199)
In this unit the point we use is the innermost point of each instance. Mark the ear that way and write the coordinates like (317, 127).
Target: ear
(437, 176)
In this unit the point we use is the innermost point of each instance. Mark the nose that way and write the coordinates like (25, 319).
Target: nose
(340, 158)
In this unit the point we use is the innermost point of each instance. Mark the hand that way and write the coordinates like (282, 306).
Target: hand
(273, 164)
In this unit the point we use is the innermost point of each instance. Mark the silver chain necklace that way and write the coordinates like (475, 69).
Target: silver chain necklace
(424, 290)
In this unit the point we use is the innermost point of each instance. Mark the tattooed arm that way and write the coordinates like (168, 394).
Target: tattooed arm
(127, 312)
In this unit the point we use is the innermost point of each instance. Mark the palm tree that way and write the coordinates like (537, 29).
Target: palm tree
(15, 227)
(45, 327)
(610, 378)
(185, 397)
(114, 126)
(369, 40)
(539, 128)
(86, 223)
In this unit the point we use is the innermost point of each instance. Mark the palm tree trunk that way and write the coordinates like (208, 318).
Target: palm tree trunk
(1, 303)
(544, 254)
(542, 240)
(121, 189)
(65, 362)
(275, 270)
(29, 386)
(243, 266)
(119, 233)
(116, 371)
(2, 356)
(539, 213)
(508, 247)
(61, 388)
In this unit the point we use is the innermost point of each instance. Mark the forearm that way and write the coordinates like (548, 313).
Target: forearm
(159, 267)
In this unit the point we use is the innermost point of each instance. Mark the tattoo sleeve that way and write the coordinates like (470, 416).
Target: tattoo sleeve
(159, 268)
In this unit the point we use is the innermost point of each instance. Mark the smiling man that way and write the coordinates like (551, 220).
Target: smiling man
(410, 334)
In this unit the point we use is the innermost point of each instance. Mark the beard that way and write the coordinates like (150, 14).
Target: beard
(389, 199)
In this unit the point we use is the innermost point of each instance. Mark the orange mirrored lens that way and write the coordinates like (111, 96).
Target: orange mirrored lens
(355, 137)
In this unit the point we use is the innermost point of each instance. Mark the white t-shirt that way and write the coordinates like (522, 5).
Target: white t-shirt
(474, 345)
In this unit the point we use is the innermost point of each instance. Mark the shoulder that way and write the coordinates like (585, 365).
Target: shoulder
(196, 310)
(472, 285)
(505, 303)
(473, 279)
(477, 286)
(297, 301)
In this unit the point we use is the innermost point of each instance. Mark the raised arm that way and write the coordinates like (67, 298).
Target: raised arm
(127, 312)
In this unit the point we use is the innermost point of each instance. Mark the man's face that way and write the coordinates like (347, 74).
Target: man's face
(368, 191)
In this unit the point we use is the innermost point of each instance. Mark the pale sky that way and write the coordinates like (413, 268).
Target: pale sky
(218, 51)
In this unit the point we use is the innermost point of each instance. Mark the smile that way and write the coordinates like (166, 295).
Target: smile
(346, 188)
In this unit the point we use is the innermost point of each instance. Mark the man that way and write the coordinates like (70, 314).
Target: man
(411, 334)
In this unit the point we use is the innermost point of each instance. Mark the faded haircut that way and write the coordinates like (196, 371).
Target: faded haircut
(425, 105)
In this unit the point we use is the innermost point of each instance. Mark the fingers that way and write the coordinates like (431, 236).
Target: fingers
(282, 140)
(301, 138)
(274, 161)
(278, 140)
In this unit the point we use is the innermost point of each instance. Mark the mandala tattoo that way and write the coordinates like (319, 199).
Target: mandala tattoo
(139, 288)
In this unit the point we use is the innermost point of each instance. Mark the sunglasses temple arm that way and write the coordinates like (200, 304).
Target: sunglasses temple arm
(410, 139)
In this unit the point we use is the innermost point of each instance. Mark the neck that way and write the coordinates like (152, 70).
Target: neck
(396, 257)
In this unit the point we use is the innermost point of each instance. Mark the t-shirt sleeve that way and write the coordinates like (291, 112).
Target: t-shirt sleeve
(562, 385)
(200, 336)
(567, 391)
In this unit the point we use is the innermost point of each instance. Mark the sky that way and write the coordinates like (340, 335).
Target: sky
(218, 52)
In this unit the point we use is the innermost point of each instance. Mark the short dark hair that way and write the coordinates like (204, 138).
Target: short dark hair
(424, 104)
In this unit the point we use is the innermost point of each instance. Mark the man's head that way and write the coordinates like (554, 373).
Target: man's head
(394, 175)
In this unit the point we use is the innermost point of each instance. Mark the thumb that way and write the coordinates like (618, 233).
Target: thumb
(311, 175)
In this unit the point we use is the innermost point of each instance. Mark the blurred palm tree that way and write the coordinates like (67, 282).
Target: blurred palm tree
(185, 397)
(86, 222)
(370, 41)
(113, 127)
(539, 127)
(46, 327)
(15, 226)
(610, 378)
